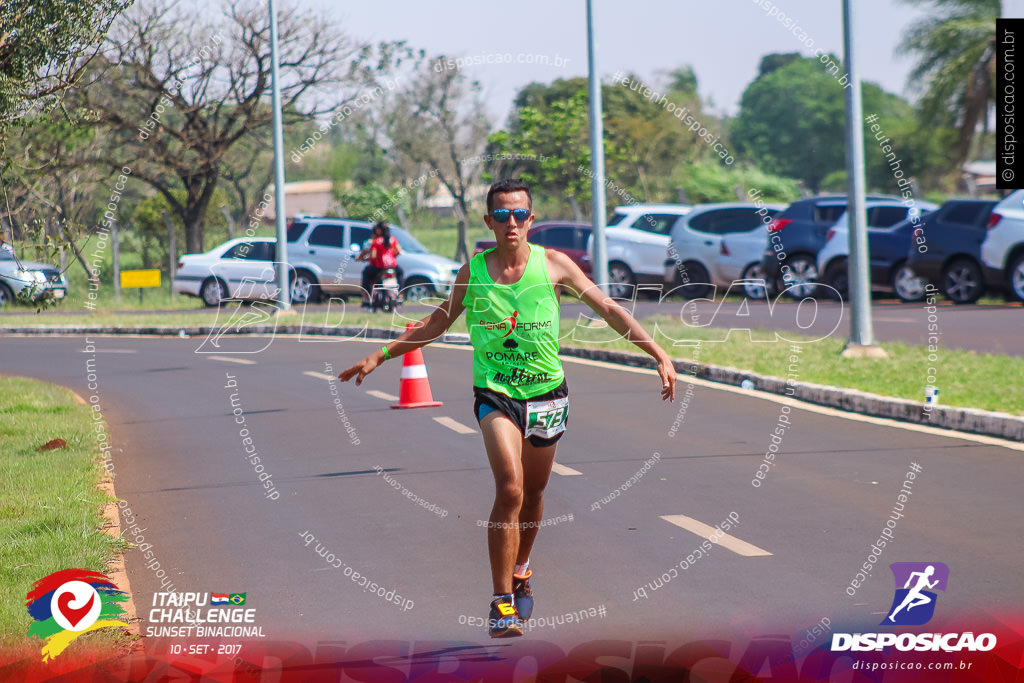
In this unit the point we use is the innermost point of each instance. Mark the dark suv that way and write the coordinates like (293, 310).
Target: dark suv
(796, 235)
(948, 250)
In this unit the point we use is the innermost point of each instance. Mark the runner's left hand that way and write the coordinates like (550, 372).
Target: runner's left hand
(667, 372)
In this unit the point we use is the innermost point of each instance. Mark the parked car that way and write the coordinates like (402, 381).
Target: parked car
(797, 234)
(241, 268)
(568, 238)
(949, 254)
(322, 259)
(1002, 252)
(887, 250)
(38, 280)
(323, 250)
(739, 259)
(637, 236)
(695, 243)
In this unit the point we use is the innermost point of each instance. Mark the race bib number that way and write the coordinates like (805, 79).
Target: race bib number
(546, 419)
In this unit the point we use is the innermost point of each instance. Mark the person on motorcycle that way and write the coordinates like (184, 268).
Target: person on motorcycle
(382, 253)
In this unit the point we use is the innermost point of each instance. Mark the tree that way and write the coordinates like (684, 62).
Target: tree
(647, 134)
(956, 66)
(791, 122)
(51, 192)
(45, 47)
(180, 92)
(439, 122)
(149, 231)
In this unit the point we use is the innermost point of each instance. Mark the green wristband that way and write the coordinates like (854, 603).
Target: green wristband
(387, 354)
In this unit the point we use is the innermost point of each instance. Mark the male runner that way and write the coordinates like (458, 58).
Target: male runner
(521, 394)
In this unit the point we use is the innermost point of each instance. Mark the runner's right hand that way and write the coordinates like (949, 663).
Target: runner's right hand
(360, 369)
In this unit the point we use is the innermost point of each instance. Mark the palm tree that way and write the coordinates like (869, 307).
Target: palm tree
(956, 65)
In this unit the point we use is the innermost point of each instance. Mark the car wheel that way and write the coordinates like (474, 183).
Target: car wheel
(621, 282)
(697, 284)
(802, 280)
(213, 291)
(417, 288)
(1017, 278)
(908, 285)
(6, 295)
(962, 282)
(303, 288)
(751, 287)
(837, 277)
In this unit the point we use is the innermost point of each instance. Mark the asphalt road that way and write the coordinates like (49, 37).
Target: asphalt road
(175, 417)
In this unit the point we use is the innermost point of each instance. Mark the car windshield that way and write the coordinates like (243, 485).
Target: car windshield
(616, 218)
(408, 242)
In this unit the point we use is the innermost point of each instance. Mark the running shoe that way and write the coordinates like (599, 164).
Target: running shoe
(503, 619)
(523, 595)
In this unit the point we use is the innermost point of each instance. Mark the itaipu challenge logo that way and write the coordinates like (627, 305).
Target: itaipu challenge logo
(68, 603)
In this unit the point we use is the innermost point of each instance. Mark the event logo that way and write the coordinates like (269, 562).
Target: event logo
(914, 603)
(68, 603)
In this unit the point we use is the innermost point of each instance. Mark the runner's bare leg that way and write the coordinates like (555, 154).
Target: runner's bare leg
(504, 444)
(537, 462)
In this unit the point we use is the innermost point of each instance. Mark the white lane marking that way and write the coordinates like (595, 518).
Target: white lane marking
(229, 359)
(110, 351)
(810, 407)
(454, 425)
(381, 394)
(715, 536)
(318, 375)
(559, 468)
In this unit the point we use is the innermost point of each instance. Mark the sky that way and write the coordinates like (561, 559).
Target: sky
(723, 40)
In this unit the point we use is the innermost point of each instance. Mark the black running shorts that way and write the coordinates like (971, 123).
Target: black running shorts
(515, 409)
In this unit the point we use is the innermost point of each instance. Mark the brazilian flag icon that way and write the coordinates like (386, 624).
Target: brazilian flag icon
(237, 598)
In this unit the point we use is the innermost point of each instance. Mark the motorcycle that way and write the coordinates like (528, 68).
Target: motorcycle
(385, 291)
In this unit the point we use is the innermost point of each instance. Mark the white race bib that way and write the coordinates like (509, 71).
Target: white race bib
(546, 419)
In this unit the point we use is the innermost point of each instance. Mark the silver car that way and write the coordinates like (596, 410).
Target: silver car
(323, 253)
(41, 280)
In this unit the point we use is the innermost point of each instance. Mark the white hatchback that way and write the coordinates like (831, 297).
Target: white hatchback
(695, 244)
(637, 236)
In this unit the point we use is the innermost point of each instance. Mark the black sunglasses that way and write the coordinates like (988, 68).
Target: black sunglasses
(501, 215)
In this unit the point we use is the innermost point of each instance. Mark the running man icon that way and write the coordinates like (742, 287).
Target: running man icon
(918, 581)
(915, 597)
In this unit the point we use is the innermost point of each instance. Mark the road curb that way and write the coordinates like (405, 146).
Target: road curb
(970, 420)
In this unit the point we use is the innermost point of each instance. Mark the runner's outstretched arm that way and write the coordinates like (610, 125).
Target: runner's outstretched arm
(427, 330)
(567, 273)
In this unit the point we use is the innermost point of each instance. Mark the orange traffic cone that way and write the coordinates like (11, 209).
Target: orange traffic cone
(414, 390)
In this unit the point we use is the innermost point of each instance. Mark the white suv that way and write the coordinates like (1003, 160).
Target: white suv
(1002, 252)
(637, 237)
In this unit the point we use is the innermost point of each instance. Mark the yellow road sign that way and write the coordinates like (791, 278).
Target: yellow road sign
(140, 278)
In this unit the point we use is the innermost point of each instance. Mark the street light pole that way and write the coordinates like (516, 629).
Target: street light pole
(862, 341)
(600, 264)
(284, 300)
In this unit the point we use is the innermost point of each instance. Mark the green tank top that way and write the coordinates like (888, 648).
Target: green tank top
(514, 329)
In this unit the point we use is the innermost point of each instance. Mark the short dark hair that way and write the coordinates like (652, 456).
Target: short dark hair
(508, 185)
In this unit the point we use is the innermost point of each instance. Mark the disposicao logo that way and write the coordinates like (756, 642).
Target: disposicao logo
(917, 580)
(68, 603)
(913, 604)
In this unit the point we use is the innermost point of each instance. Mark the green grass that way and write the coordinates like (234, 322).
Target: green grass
(50, 506)
(965, 379)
